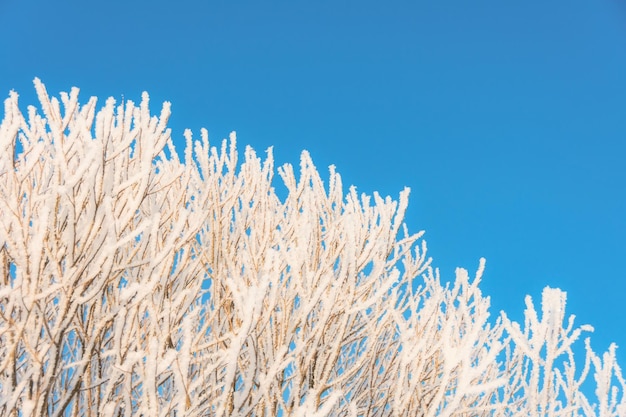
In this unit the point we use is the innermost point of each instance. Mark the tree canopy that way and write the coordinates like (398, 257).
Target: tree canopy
(137, 281)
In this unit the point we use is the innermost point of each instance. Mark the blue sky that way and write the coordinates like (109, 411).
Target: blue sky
(506, 120)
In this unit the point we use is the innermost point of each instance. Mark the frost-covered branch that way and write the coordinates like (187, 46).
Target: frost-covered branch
(134, 281)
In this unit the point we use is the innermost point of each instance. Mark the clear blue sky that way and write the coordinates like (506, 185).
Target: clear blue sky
(508, 121)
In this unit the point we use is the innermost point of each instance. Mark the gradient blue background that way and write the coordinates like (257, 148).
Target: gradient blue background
(507, 120)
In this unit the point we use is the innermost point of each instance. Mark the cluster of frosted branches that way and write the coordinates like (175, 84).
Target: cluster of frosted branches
(136, 283)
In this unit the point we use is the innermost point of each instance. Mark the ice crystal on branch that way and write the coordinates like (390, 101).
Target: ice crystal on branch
(136, 283)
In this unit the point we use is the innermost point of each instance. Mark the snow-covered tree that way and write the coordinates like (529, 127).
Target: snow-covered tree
(134, 282)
